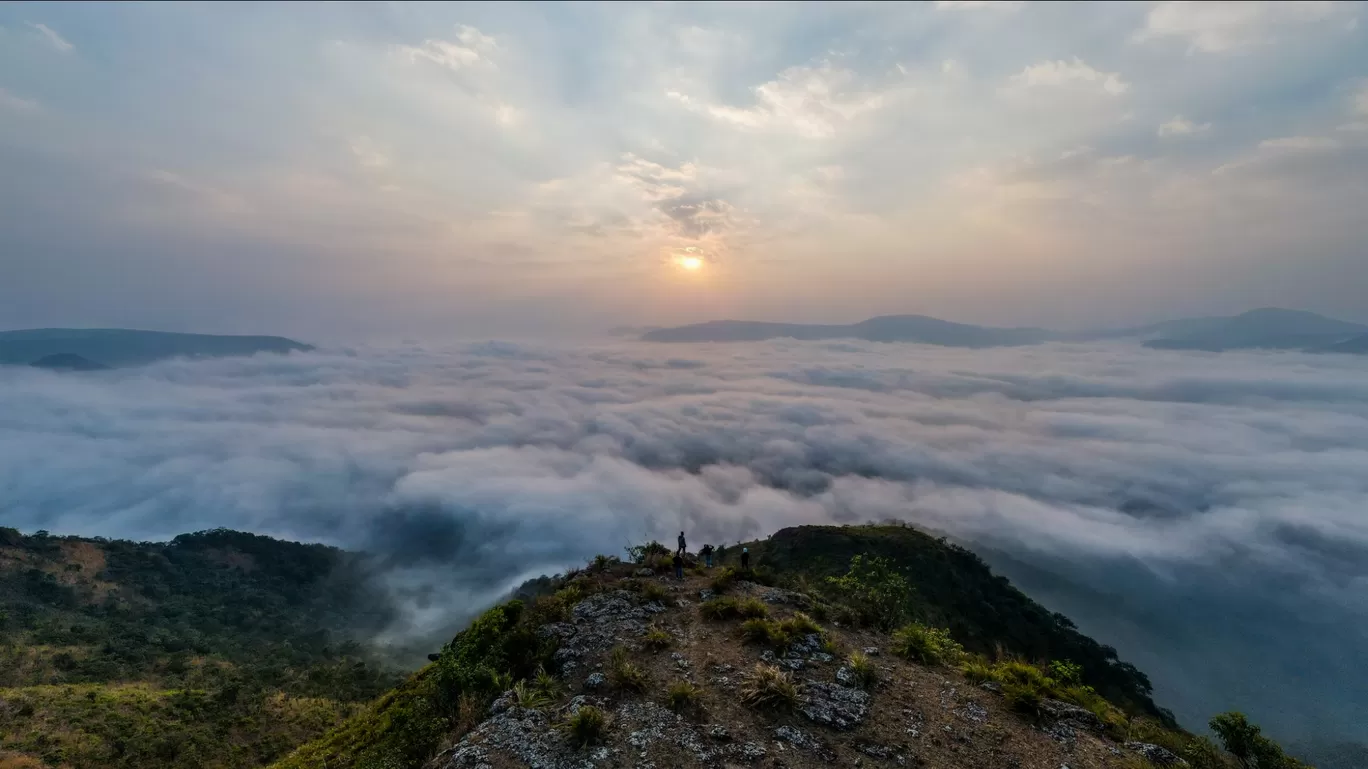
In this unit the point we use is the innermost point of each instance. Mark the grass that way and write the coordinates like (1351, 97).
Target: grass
(654, 591)
(976, 670)
(683, 697)
(927, 645)
(866, 675)
(801, 624)
(765, 632)
(624, 674)
(718, 609)
(587, 726)
(769, 687)
(723, 580)
(752, 608)
(658, 639)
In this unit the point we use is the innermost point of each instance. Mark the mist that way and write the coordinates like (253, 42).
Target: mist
(1203, 513)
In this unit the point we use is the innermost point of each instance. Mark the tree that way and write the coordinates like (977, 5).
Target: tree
(875, 590)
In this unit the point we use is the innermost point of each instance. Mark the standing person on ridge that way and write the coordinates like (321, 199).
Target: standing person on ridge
(679, 566)
(707, 552)
(682, 546)
(745, 558)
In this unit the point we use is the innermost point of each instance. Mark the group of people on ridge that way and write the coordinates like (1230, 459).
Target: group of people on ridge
(706, 552)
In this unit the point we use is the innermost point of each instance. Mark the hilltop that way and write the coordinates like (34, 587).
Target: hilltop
(219, 649)
(845, 646)
(94, 348)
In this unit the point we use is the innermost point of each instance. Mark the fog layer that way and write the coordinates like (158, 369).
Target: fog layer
(1206, 514)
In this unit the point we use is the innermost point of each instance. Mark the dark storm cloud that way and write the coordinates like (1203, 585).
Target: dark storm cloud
(1207, 511)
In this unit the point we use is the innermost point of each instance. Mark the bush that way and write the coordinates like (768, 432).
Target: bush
(657, 639)
(928, 645)
(723, 580)
(866, 675)
(654, 591)
(801, 624)
(765, 632)
(718, 609)
(587, 726)
(752, 608)
(1247, 744)
(1066, 672)
(977, 671)
(879, 595)
(602, 563)
(643, 553)
(683, 697)
(625, 674)
(769, 687)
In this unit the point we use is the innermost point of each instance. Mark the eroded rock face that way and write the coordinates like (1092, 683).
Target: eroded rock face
(803, 741)
(1156, 754)
(834, 705)
(526, 735)
(1070, 715)
(598, 623)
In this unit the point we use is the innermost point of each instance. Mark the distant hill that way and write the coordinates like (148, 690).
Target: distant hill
(113, 347)
(1357, 345)
(1267, 328)
(888, 328)
(68, 361)
(217, 650)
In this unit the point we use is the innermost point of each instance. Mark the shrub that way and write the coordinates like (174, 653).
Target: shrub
(765, 632)
(625, 674)
(866, 675)
(928, 645)
(878, 593)
(769, 687)
(602, 563)
(719, 609)
(723, 580)
(657, 639)
(752, 608)
(529, 696)
(977, 671)
(642, 553)
(801, 624)
(587, 726)
(1066, 672)
(1247, 744)
(683, 696)
(654, 591)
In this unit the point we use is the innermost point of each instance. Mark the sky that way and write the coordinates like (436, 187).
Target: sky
(371, 170)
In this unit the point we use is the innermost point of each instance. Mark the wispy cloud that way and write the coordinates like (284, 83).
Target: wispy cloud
(1181, 126)
(1058, 73)
(17, 103)
(50, 34)
(1217, 27)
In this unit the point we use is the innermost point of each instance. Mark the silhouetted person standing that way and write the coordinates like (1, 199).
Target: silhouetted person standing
(682, 546)
(707, 552)
(679, 566)
(745, 558)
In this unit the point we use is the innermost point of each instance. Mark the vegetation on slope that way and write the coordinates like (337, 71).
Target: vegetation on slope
(947, 608)
(217, 649)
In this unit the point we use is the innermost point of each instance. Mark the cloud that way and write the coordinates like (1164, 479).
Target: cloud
(1181, 126)
(1203, 507)
(16, 103)
(471, 48)
(1060, 73)
(812, 101)
(368, 153)
(996, 5)
(56, 40)
(1216, 27)
(1299, 143)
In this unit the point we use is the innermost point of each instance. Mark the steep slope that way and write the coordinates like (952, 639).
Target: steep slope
(214, 650)
(1357, 345)
(889, 328)
(126, 347)
(622, 665)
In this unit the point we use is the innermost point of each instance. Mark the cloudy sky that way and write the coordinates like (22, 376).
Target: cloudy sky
(340, 170)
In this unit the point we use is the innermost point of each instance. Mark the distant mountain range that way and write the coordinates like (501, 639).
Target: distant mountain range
(888, 328)
(1267, 328)
(90, 349)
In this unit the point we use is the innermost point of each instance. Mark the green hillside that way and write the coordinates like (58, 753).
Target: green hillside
(218, 649)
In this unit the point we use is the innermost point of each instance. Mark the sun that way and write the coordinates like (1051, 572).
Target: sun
(691, 263)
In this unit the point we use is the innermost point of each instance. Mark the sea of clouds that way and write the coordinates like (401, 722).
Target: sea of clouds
(1206, 514)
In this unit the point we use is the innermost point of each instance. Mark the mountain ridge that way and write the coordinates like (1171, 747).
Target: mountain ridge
(118, 347)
